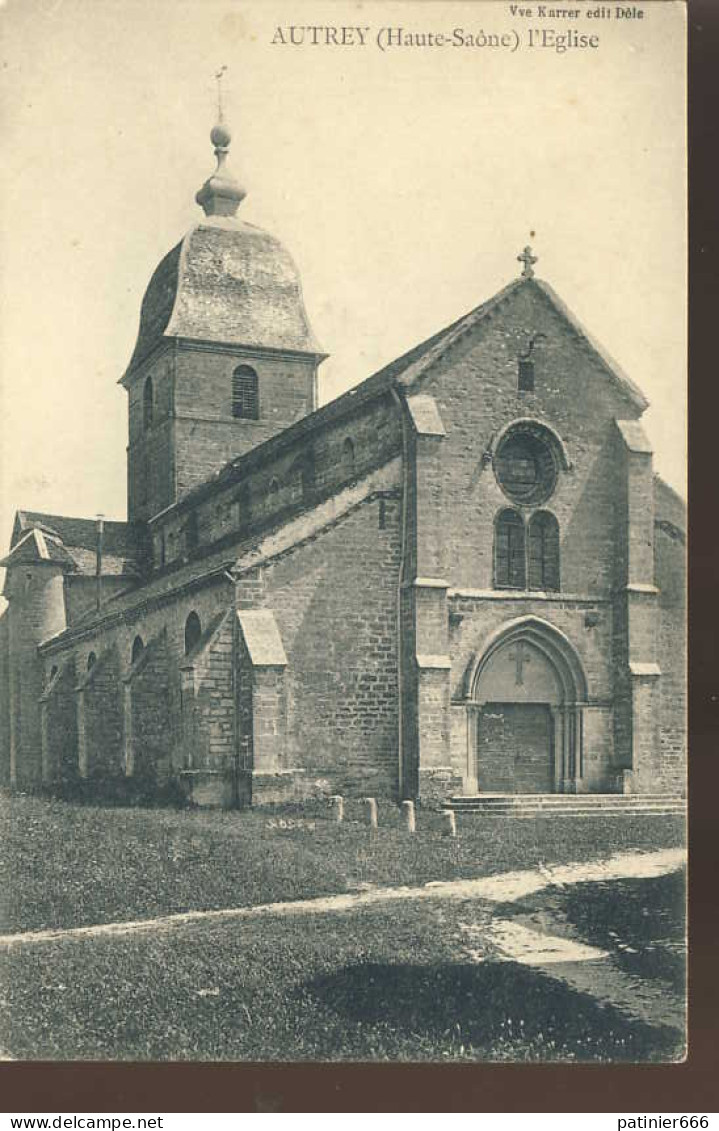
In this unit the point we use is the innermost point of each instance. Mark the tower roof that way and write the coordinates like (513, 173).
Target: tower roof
(227, 281)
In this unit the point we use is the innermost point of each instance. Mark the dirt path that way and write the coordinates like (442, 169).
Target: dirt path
(503, 888)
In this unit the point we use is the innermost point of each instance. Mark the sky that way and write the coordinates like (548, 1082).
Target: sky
(404, 182)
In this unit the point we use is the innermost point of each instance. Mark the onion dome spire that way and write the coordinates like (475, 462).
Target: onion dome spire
(221, 194)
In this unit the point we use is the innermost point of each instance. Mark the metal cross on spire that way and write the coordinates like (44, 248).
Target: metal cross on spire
(218, 78)
(528, 260)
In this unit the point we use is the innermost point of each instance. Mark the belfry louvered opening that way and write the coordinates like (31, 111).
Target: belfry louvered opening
(245, 393)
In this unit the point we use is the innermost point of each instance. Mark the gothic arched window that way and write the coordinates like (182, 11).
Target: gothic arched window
(148, 404)
(91, 661)
(245, 395)
(543, 551)
(509, 551)
(137, 649)
(193, 632)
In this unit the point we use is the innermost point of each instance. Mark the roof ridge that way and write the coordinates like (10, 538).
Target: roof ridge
(461, 326)
(394, 368)
(613, 367)
(382, 378)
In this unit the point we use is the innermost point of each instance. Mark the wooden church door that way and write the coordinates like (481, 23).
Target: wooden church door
(515, 748)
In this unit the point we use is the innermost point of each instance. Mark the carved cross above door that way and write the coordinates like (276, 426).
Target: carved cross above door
(521, 656)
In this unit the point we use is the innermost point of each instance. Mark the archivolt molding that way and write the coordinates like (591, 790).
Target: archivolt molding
(548, 639)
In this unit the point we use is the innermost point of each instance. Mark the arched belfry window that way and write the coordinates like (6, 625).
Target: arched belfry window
(193, 632)
(137, 649)
(148, 404)
(543, 551)
(509, 551)
(245, 393)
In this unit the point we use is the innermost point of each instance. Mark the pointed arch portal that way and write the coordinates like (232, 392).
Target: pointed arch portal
(525, 693)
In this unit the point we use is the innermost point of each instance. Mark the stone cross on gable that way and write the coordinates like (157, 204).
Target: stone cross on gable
(521, 657)
(528, 260)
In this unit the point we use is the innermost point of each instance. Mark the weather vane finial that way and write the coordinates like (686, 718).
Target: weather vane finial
(218, 78)
(221, 193)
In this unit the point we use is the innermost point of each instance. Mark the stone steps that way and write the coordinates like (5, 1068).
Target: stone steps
(550, 805)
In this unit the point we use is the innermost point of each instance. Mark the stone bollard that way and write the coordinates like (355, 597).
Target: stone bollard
(449, 822)
(370, 806)
(337, 808)
(408, 818)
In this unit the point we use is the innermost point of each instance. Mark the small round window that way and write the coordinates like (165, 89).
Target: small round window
(525, 465)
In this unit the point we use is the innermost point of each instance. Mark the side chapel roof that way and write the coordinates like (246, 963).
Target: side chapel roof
(72, 543)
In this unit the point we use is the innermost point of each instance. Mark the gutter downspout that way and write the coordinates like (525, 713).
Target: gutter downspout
(98, 561)
(400, 584)
(236, 802)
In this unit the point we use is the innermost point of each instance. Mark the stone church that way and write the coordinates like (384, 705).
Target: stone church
(461, 577)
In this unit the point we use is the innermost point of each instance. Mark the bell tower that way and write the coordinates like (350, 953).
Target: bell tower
(225, 356)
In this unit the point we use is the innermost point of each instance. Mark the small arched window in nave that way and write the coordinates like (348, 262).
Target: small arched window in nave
(148, 404)
(348, 456)
(193, 632)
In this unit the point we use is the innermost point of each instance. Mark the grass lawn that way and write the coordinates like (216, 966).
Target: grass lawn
(70, 865)
(416, 980)
(384, 983)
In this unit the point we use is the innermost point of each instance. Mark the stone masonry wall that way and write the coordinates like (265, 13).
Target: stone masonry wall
(4, 700)
(149, 623)
(101, 718)
(206, 434)
(272, 491)
(151, 729)
(670, 573)
(245, 712)
(475, 386)
(335, 601)
(214, 703)
(61, 756)
(37, 611)
(150, 472)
